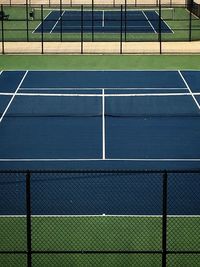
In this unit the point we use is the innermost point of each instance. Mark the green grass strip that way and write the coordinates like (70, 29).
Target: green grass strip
(99, 233)
(98, 62)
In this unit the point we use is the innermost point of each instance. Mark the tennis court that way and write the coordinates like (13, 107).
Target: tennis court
(103, 21)
(100, 120)
(95, 119)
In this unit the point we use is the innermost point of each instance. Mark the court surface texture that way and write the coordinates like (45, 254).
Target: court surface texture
(99, 119)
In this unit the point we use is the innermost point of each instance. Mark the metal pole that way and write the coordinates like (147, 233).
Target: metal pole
(61, 21)
(125, 20)
(164, 221)
(81, 29)
(92, 20)
(42, 30)
(28, 218)
(121, 31)
(160, 30)
(27, 20)
(190, 22)
(2, 33)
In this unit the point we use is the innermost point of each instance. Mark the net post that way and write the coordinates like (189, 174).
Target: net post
(42, 30)
(164, 220)
(61, 28)
(2, 33)
(27, 20)
(28, 219)
(92, 20)
(121, 31)
(160, 30)
(82, 29)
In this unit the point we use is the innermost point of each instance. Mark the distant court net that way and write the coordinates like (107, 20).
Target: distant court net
(64, 105)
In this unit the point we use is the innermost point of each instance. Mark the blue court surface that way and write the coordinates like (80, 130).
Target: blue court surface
(99, 119)
(103, 22)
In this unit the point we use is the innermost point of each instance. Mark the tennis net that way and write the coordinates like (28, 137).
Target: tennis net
(119, 105)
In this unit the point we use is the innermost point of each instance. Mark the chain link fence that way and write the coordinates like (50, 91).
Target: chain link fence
(83, 28)
(100, 218)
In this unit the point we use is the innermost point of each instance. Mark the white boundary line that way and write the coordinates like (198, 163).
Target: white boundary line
(98, 95)
(100, 159)
(103, 24)
(42, 22)
(88, 9)
(191, 93)
(1, 72)
(101, 215)
(13, 97)
(165, 24)
(103, 127)
(98, 88)
(57, 22)
(149, 22)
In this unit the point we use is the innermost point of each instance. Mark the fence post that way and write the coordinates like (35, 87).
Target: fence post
(164, 220)
(125, 18)
(81, 29)
(42, 30)
(190, 21)
(61, 28)
(28, 218)
(27, 20)
(121, 31)
(92, 20)
(2, 33)
(160, 30)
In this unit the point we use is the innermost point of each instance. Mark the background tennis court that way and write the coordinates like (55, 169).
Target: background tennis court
(102, 21)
